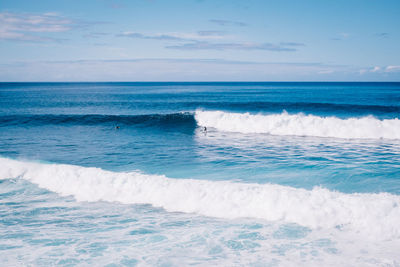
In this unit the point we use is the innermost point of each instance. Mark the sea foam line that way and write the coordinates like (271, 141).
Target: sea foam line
(373, 215)
(300, 124)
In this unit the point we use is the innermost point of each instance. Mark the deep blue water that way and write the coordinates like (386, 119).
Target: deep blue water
(155, 129)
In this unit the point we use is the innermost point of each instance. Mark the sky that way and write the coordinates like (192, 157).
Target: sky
(199, 40)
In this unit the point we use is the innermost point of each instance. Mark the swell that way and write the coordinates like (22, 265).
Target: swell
(94, 119)
(301, 125)
(373, 215)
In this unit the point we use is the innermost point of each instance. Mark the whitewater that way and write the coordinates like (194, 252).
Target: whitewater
(317, 208)
(300, 124)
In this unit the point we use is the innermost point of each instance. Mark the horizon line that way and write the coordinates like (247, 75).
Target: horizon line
(199, 81)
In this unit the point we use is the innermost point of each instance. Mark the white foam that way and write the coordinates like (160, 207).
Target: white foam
(300, 124)
(373, 215)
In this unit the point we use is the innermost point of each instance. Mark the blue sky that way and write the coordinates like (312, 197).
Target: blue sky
(199, 40)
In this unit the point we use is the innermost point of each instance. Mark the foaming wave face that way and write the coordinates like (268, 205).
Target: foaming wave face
(301, 125)
(372, 215)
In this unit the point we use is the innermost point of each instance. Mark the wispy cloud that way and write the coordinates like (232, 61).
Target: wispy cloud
(31, 27)
(164, 37)
(326, 72)
(95, 35)
(211, 33)
(382, 35)
(187, 37)
(282, 47)
(210, 40)
(392, 69)
(222, 22)
(291, 44)
(378, 69)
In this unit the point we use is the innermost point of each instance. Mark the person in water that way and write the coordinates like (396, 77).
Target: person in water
(205, 129)
(117, 127)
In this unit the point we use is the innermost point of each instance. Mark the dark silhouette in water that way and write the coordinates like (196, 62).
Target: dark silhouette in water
(117, 127)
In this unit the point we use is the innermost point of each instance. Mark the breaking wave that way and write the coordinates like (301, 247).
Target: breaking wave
(373, 215)
(300, 124)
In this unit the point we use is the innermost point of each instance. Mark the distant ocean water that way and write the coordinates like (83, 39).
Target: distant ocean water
(124, 174)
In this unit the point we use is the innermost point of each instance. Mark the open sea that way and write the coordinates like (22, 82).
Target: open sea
(126, 174)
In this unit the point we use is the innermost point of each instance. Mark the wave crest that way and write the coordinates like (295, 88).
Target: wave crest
(300, 124)
(374, 215)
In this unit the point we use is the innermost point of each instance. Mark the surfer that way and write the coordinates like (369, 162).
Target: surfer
(205, 129)
(117, 127)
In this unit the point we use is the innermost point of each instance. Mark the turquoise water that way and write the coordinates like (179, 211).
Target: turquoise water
(124, 174)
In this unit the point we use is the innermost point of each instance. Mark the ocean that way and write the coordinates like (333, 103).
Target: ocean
(205, 174)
